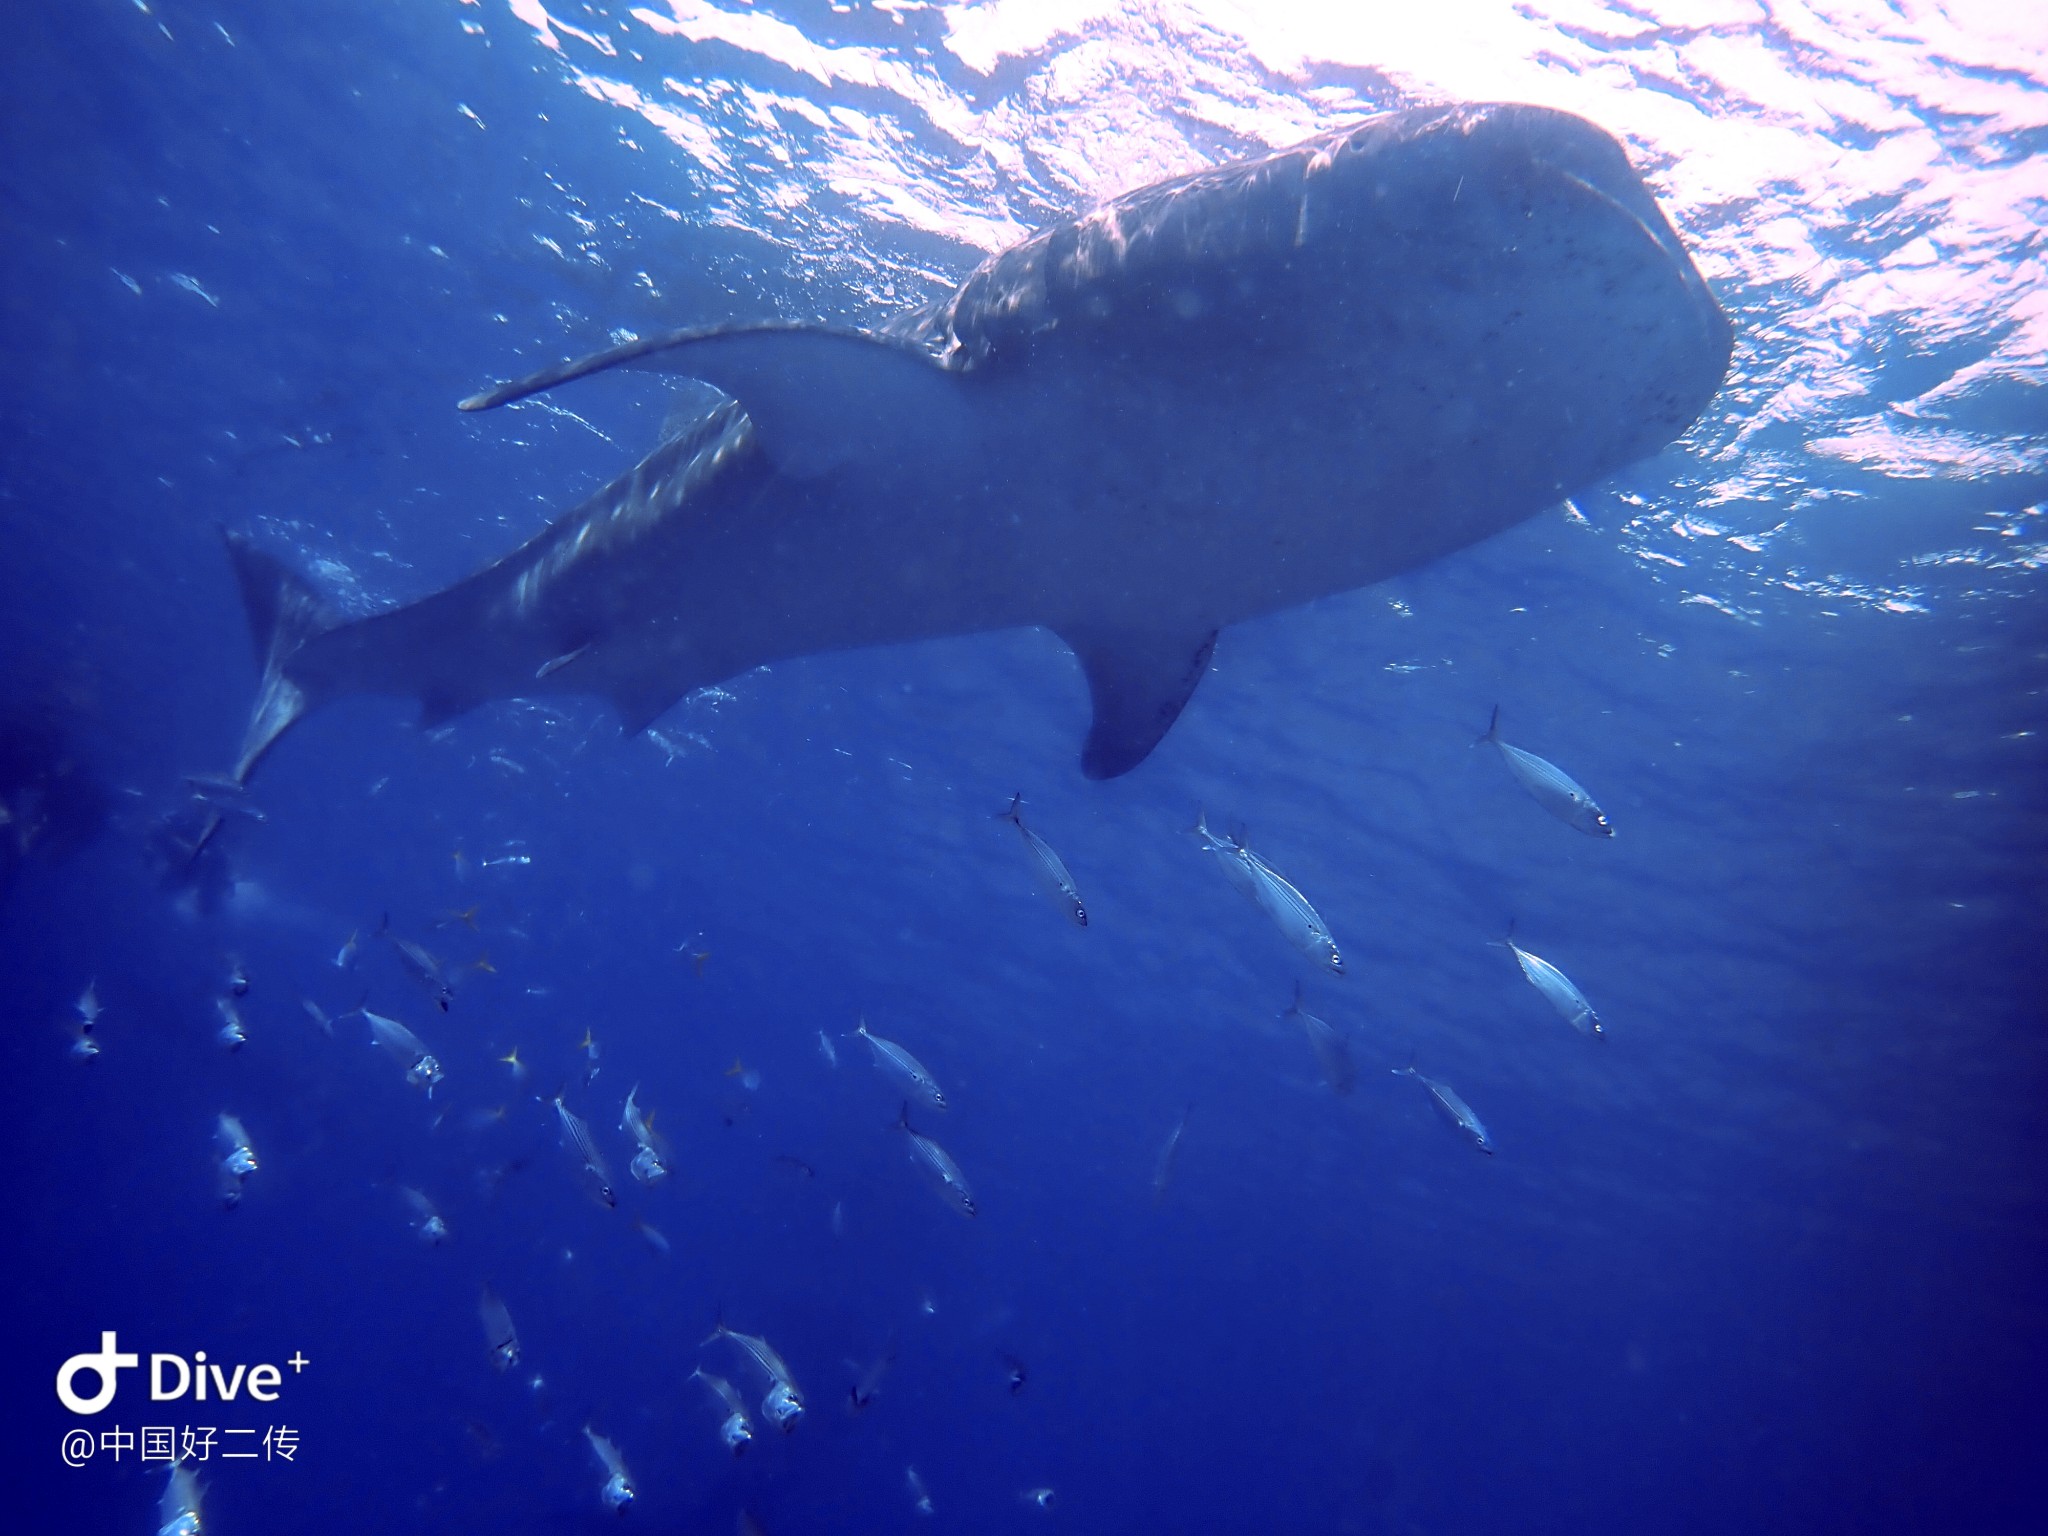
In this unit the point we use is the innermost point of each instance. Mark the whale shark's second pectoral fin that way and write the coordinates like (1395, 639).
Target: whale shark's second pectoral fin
(1139, 681)
(818, 396)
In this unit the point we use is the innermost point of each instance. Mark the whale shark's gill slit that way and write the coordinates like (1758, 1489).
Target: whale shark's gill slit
(1139, 681)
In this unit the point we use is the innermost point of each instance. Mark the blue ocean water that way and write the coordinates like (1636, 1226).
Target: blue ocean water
(1769, 1254)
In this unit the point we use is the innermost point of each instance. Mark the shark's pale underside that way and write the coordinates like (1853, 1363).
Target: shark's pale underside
(1208, 399)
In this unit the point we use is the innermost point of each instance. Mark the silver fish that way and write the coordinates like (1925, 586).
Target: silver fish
(784, 1403)
(1038, 1498)
(1162, 1171)
(177, 1510)
(237, 1158)
(917, 1490)
(650, 1161)
(577, 1133)
(869, 1383)
(904, 1067)
(938, 1163)
(828, 1050)
(345, 957)
(83, 1046)
(1332, 1054)
(1455, 1109)
(231, 1034)
(422, 1070)
(617, 1491)
(735, 1430)
(426, 1220)
(1550, 786)
(499, 1333)
(1557, 990)
(1268, 890)
(1050, 868)
(88, 1005)
(419, 963)
(318, 1015)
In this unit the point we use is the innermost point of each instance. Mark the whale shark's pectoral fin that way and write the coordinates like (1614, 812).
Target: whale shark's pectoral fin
(284, 613)
(641, 704)
(1140, 680)
(818, 396)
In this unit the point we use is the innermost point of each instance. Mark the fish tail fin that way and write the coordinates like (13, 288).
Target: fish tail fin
(1013, 813)
(903, 1116)
(1506, 942)
(1296, 1006)
(284, 613)
(718, 1328)
(1201, 826)
(1492, 736)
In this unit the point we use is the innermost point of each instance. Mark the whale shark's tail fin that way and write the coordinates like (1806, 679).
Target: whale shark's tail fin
(284, 613)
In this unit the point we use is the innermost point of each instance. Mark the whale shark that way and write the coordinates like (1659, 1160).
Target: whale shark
(1212, 398)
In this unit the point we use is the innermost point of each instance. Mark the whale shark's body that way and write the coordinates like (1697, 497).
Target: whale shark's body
(1209, 399)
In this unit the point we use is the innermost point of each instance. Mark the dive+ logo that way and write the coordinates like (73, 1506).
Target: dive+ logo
(170, 1377)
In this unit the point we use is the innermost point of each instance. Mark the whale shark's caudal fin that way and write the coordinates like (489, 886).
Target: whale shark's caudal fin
(818, 396)
(284, 613)
(1139, 681)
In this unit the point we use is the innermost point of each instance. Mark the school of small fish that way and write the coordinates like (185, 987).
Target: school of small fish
(911, 1084)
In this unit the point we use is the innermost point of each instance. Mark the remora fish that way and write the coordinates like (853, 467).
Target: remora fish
(1332, 1054)
(1455, 1109)
(1215, 397)
(1549, 785)
(577, 1133)
(904, 1067)
(936, 1161)
(1050, 867)
(1556, 987)
(1272, 894)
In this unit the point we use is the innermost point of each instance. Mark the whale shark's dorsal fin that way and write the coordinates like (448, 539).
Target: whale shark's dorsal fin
(817, 395)
(1139, 681)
